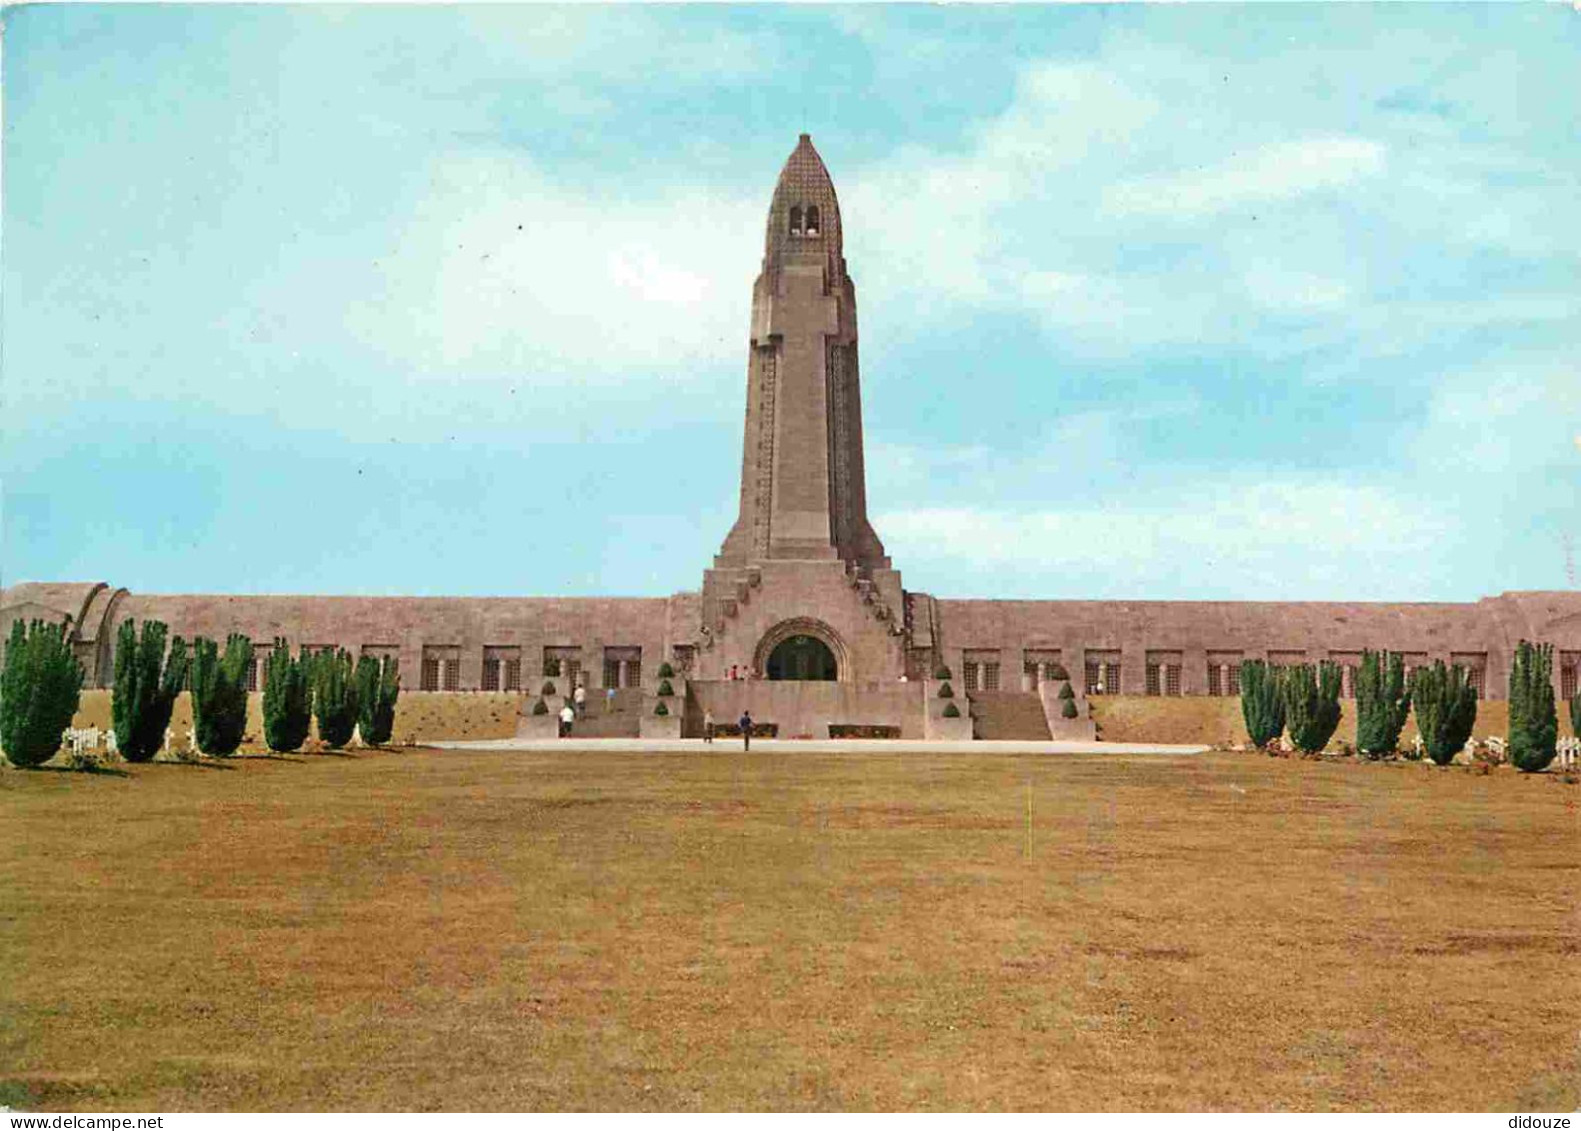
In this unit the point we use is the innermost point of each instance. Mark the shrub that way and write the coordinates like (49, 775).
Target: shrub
(540, 708)
(1065, 691)
(951, 711)
(1534, 724)
(1575, 714)
(334, 697)
(941, 672)
(661, 709)
(1068, 709)
(1058, 672)
(219, 693)
(863, 730)
(287, 699)
(665, 688)
(547, 688)
(146, 685)
(946, 692)
(86, 760)
(666, 671)
(551, 667)
(1262, 705)
(1446, 709)
(1311, 702)
(40, 687)
(1382, 703)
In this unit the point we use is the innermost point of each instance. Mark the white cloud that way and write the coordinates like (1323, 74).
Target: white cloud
(1293, 539)
(1121, 222)
(1278, 288)
(1274, 172)
(614, 46)
(502, 270)
(1500, 426)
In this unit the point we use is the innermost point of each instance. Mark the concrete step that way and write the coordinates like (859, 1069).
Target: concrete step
(624, 721)
(1015, 715)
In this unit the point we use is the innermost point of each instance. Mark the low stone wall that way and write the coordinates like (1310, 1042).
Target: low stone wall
(419, 715)
(805, 709)
(808, 708)
(1217, 721)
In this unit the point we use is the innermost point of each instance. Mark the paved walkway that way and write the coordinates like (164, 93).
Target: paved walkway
(811, 746)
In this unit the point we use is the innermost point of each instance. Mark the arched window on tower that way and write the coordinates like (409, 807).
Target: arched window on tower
(795, 220)
(812, 219)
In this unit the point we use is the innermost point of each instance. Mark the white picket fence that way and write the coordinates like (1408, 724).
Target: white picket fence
(77, 741)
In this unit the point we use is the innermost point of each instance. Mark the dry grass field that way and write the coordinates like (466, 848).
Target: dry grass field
(424, 930)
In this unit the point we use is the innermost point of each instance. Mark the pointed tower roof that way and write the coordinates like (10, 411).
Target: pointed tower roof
(804, 216)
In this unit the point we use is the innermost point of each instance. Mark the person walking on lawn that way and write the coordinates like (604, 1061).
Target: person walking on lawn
(745, 723)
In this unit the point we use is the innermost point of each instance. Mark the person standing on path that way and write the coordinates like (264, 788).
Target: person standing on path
(609, 701)
(708, 726)
(579, 696)
(567, 717)
(745, 723)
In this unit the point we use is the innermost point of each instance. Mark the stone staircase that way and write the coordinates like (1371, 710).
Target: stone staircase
(740, 587)
(1008, 715)
(744, 582)
(624, 721)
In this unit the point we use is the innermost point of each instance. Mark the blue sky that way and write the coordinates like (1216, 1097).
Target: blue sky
(1156, 302)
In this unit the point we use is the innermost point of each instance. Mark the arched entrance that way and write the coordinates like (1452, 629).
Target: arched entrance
(801, 657)
(802, 648)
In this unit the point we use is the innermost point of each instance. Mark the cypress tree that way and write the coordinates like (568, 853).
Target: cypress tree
(1068, 709)
(366, 678)
(389, 694)
(1311, 700)
(147, 681)
(1575, 714)
(1262, 706)
(1446, 709)
(219, 693)
(287, 699)
(1534, 724)
(40, 688)
(1065, 691)
(1382, 703)
(334, 697)
(378, 686)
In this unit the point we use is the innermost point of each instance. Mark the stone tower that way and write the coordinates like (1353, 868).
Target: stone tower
(803, 486)
(802, 560)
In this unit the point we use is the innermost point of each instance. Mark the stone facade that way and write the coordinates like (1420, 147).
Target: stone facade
(803, 563)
